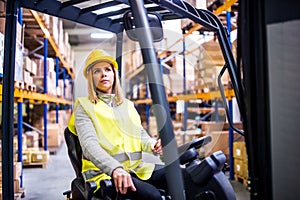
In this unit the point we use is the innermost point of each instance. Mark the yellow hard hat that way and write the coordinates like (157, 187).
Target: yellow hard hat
(98, 55)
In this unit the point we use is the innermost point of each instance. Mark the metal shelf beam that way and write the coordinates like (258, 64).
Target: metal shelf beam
(18, 93)
(205, 96)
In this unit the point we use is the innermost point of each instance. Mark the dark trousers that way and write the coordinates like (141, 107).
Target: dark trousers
(145, 189)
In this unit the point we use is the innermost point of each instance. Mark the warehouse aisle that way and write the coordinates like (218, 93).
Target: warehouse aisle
(49, 183)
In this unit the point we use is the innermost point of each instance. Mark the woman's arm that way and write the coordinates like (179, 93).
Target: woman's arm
(90, 144)
(147, 141)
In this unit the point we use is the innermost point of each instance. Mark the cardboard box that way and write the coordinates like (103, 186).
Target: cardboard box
(17, 185)
(15, 142)
(19, 34)
(2, 24)
(33, 67)
(239, 150)
(32, 139)
(17, 170)
(245, 169)
(26, 77)
(219, 142)
(27, 63)
(19, 63)
(26, 157)
(212, 126)
(39, 156)
(2, 8)
(238, 167)
(54, 135)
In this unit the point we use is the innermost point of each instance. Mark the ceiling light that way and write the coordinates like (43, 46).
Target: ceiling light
(107, 10)
(102, 35)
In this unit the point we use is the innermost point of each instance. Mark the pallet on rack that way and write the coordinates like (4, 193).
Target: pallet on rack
(30, 87)
(241, 179)
(19, 85)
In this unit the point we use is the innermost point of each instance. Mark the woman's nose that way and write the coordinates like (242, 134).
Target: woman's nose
(104, 74)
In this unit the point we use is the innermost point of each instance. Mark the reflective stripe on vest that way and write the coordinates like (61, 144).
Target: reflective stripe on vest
(90, 174)
(121, 157)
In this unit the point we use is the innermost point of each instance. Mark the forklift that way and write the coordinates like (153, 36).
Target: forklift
(141, 22)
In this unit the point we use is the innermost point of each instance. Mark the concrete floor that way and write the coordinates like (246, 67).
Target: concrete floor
(50, 182)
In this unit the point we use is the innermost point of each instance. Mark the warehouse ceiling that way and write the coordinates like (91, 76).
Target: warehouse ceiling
(80, 35)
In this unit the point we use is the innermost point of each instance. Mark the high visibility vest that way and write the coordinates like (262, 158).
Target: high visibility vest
(119, 133)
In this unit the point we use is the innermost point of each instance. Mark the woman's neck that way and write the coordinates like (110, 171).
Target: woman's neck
(107, 98)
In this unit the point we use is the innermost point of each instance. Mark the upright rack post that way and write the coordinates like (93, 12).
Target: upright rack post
(64, 81)
(56, 83)
(8, 99)
(45, 91)
(20, 113)
(231, 163)
(147, 107)
(20, 133)
(184, 86)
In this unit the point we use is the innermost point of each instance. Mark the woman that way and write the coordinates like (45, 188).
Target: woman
(111, 135)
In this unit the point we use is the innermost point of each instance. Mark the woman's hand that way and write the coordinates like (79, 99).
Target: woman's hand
(157, 148)
(122, 181)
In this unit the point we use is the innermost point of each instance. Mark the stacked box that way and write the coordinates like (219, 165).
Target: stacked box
(33, 67)
(2, 24)
(40, 156)
(2, 8)
(37, 68)
(35, 156)
(219, 142)
(32, 139)
(29, 65)
(26, 156)
(53, 29)
(19, 63)
(46, 19)
(54, 135)
(27, 77)
(17, 169)
(15, 142)
(60, 87)
(240, 159)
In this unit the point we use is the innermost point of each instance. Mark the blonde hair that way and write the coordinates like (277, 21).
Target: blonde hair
(92, 88)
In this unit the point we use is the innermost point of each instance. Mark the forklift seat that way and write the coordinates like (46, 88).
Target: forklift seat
(79, 188)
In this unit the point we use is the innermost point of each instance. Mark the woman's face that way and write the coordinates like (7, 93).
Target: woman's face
(103, 77)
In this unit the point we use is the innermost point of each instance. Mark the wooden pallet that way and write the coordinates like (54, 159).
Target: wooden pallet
(241, 179)
(19, 85)
(35, 165)
(53, 150)
(20, 194)
(30, 87)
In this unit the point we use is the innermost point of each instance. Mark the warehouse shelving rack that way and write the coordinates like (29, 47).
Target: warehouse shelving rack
(30, 96)
(112, 21)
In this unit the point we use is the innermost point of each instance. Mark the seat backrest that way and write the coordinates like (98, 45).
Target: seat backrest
(74, 151)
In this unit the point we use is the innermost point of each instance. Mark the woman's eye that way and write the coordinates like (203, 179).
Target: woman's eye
(108, 69)
(96, 71)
